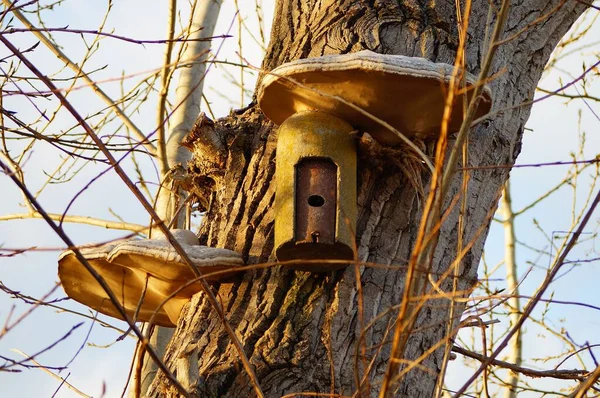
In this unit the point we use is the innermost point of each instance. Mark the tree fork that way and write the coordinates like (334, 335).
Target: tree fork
(301, 330)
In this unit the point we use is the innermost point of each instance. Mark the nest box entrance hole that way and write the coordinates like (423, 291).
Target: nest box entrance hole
(316, 201)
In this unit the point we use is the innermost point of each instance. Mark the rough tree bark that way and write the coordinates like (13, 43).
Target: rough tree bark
(299, 329)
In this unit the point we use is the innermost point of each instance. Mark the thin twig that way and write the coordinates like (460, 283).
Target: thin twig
(63, 57)
(97, 222)
(45, 369)
(574, 374)
(164, 89)
(94, 32)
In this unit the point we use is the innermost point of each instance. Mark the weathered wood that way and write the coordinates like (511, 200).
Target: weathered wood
(299, 329)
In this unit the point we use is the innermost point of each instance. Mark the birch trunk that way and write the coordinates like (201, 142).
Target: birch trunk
(512, 287)
(172, 155)
(300, 330)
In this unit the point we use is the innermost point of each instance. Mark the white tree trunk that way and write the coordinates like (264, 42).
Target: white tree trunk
(512, 288)
(187, 101)
(188, 98)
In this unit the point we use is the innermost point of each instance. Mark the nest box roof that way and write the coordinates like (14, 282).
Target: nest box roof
(409, 93)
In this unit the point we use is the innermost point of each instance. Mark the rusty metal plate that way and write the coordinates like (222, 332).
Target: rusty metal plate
(316, 201)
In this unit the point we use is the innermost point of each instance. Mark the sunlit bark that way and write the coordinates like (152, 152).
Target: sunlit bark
(301, 330)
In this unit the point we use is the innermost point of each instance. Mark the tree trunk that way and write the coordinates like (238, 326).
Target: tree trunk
(300, 330)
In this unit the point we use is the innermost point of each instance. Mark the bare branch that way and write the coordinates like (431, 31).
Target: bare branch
(574, 374)
(63, 57)
(97, 222)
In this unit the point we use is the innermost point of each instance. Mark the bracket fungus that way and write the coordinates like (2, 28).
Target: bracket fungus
(143, 274)
(317, 103)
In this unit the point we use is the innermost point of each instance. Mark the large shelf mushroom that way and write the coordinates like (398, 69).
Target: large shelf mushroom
(143, 274)
(318, 102)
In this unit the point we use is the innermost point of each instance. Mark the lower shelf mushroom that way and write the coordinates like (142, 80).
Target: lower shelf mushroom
(143, 274)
